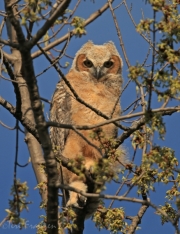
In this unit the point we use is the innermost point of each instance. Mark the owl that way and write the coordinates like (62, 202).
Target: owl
(95, 76)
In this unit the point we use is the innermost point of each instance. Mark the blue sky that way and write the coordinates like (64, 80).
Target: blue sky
(100, 31)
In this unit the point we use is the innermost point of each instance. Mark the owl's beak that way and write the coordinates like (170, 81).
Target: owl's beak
(98, 73)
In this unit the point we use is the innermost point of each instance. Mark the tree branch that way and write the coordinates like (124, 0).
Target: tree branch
(23, 119)
(37, 114)
(163, 111)
(119, 34)
(121, 198)
(61, 7)
(137, 219)
(91, 18)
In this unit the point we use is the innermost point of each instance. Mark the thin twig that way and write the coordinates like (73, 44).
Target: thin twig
(134, 102)
(91, 18)
(153, 58)
(120, 4)
(4, 125)
(45, 100)
(24, 120)
(134, 183)
(143, 104)
(119, 34)
(70, 16)
(3, 221)
(119, 98)
(129, 12)
(119, 189)
(89, 143)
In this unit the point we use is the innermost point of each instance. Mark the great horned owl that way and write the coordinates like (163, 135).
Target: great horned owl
(95, 75)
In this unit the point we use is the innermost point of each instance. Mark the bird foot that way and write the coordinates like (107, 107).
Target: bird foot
(77, 201)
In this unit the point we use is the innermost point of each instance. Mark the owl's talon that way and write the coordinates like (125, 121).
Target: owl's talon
(74, 205)
(77, 206)
(82, 200)
(70, 203)
(79, 202)
(91, 170)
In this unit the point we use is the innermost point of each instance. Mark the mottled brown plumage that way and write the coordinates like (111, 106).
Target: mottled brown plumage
(96, 77)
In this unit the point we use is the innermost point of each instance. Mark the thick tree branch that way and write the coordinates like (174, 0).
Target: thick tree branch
(37, 114)
(136, 125)
(163, 111)
(15, 23)
(122, 198)
(38, 162)
(137, 219)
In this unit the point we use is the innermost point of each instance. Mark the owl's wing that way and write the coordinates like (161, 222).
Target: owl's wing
(61, 113)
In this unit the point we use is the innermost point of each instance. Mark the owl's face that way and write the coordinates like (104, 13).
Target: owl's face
(98, 60)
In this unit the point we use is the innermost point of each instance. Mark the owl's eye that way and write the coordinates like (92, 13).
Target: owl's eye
(108, 64)
(88, 63)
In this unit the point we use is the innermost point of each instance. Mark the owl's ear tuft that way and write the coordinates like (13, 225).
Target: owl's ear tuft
(89, 42)
(111, 43)
(112, 48)
(87, 45)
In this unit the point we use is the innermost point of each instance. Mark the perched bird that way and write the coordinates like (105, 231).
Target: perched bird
(95, 76)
